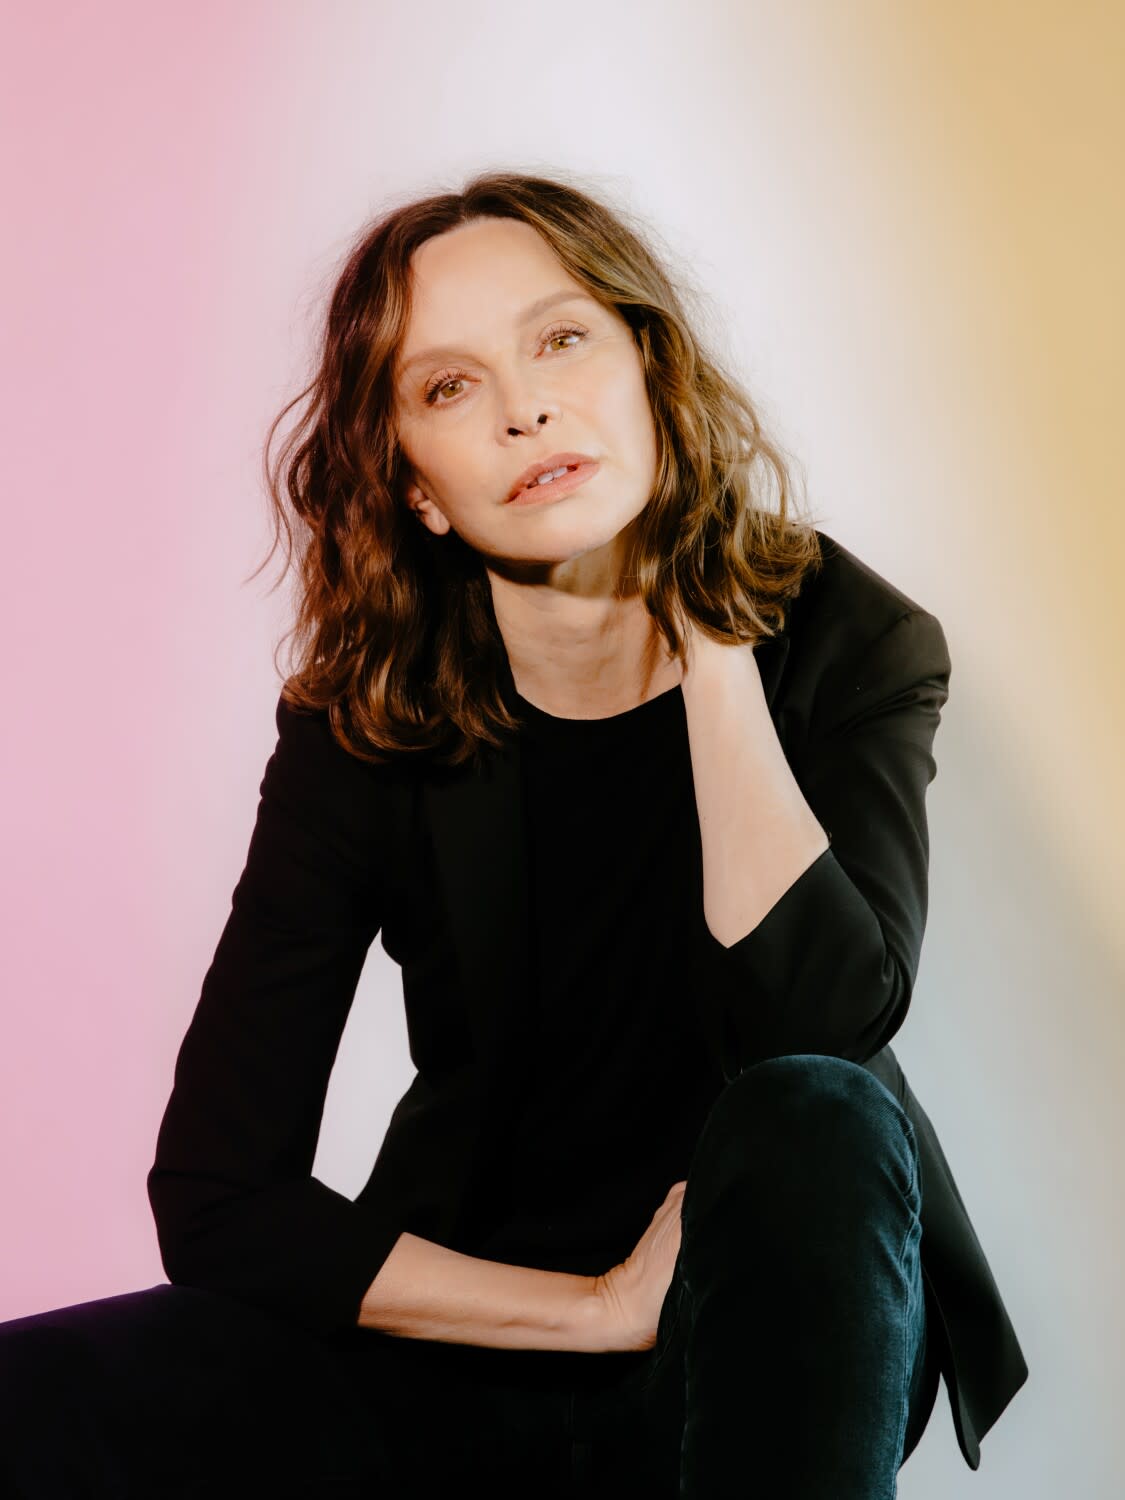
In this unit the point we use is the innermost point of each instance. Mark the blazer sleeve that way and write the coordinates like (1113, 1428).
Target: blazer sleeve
(236, 1207)
(831, 966)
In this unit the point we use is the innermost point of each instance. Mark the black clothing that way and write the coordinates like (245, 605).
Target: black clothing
(799, 1261)
(436, 859)
(623, 1080)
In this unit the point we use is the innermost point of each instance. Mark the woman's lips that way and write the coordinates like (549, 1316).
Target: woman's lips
(536, 494)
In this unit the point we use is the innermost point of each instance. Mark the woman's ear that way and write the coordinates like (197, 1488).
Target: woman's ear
(431, 517)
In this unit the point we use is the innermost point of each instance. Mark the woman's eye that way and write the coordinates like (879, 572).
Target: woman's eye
(454, 377)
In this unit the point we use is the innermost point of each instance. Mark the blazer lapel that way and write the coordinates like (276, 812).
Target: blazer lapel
(476, 821)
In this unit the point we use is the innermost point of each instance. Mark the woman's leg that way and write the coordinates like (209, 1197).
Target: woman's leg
(472, 1419)
(801, 1245)
(792, 1355)
(172, 1392)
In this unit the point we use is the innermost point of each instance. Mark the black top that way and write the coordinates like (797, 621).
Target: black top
(623, 1079)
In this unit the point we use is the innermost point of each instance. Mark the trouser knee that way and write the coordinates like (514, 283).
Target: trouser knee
(809, 1121)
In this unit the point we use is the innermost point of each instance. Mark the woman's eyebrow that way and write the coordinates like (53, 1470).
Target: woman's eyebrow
(552, 299)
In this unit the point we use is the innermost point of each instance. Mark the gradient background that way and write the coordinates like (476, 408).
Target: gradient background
(909, 220)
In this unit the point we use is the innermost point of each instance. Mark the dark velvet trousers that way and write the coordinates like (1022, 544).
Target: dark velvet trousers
(792, 1356)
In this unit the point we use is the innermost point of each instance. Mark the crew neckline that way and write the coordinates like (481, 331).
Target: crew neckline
(541, 725)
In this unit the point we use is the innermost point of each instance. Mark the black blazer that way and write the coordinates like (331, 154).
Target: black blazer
(433, 858)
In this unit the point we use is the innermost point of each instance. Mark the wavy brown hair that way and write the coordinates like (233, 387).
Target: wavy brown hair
(395, 630)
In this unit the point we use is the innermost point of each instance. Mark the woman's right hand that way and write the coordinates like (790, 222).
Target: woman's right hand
(632, 1293)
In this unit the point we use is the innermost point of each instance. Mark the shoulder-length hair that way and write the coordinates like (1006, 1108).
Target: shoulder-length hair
(394, 629)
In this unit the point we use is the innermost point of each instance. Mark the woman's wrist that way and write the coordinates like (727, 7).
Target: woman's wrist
(427, 1291)
(592, 1326)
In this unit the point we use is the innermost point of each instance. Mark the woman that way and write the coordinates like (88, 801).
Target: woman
(629, 771)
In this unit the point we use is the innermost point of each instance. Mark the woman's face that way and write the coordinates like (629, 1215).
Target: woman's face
(498, 363)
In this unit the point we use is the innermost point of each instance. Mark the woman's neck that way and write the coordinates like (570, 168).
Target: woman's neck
(593, 676)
